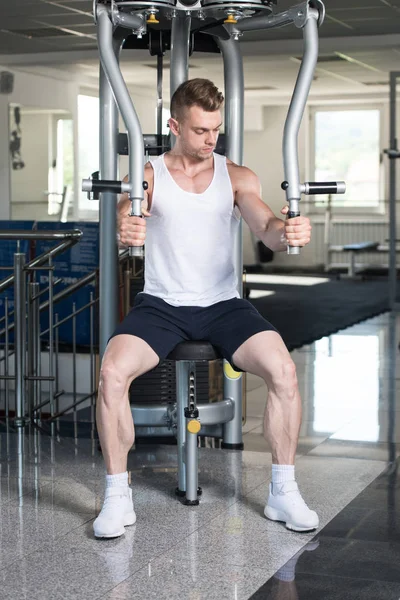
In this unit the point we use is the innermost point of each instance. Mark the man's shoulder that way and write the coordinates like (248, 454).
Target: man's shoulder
(148, 166)
(239, 171)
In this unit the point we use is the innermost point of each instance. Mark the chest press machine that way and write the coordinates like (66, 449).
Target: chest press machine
(184, 26)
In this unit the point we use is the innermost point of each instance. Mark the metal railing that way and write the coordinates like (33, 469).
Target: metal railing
(41, 365)
(23, 374)
(30, 355)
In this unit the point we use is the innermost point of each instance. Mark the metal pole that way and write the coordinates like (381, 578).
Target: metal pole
(51, 341)
(234, 108)
(19, 337)
(108, 259)
(392, 343)
(92, 366)
(56, 353)
(6, 361)
(179, 65)
(392, 193)
(192, 466)
(33, 332)
(74, 369)
(180, 40)
(182, 395)
(159, 98)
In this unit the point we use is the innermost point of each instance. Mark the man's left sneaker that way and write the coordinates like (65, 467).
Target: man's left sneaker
(286, 504)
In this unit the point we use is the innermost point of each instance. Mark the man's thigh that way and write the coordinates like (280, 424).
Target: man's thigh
(160, 325)
(231, 324)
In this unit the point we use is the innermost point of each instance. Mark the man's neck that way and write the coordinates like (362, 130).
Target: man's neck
(189, 163)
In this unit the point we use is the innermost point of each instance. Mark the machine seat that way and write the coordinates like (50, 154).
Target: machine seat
(194, 350)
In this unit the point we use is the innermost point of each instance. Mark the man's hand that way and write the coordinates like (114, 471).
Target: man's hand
(297, 229)
(132, 230)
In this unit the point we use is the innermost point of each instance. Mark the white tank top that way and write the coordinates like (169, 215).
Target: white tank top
(189, 248)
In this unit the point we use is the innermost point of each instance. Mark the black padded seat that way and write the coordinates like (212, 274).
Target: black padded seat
(361, 246)
(200, 350)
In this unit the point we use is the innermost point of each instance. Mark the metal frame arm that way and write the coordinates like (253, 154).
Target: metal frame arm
(296, 111)
(135, 136)
(292, 185)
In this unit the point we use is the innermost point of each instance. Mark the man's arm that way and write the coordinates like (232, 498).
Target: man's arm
(275, 233)
(258, 216)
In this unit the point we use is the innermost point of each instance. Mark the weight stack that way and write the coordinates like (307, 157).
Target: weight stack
(158, 386)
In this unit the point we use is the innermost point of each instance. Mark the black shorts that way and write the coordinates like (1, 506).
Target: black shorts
(226, 325)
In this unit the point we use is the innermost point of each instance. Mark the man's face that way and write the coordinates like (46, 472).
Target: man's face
(198, 132)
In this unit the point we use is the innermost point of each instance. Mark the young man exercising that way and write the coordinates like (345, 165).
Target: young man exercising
(195, 199)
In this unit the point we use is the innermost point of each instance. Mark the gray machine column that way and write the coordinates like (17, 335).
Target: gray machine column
(108, 259)
(179, 72)
(180, 39)
(179, 66)
(182, 387)
(234, 106)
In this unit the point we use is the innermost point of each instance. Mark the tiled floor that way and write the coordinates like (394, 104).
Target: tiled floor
(224, 548)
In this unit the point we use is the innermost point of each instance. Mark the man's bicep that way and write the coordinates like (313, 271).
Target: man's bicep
(254, 211)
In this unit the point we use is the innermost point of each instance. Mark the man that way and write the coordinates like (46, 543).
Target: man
(194, 202)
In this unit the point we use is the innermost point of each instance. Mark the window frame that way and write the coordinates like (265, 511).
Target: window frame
(349, 211)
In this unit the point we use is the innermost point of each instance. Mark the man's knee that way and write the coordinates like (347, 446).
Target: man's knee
(283, 378)
(114, 381)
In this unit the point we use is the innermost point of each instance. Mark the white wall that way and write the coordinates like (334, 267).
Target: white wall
(30, 90)
(29, 184)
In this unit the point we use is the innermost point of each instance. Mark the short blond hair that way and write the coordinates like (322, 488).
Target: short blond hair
(195, 92)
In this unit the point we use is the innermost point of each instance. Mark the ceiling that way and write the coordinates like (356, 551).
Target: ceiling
(359, 45)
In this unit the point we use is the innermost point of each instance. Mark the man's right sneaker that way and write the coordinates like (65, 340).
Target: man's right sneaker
(117, 512)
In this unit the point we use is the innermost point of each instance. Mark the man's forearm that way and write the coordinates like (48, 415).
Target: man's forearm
(274, 235)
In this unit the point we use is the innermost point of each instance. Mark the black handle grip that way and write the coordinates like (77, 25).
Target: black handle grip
(106, 185)
(325, 187)
(292, 214)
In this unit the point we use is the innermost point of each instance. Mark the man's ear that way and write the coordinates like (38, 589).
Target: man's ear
(174, 126)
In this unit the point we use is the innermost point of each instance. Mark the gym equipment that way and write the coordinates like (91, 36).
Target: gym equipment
(352, 249)
(184, 26)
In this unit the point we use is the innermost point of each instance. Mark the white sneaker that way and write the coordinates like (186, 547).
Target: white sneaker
(117, 512)
(287, 505)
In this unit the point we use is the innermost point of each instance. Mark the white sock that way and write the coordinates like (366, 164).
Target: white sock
(282, 473)
(118, 480)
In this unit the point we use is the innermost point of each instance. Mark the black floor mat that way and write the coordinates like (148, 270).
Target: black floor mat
(303, 314)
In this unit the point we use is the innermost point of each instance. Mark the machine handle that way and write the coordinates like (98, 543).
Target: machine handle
(136, 211)
(291, 215)
(325, 187)
(95, 186)
(319, 187)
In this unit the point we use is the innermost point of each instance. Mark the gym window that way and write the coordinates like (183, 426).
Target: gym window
(346, 146)
(88, 150)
